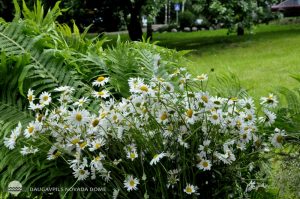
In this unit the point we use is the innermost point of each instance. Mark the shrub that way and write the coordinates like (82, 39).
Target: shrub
(186, 19)
(167, 28)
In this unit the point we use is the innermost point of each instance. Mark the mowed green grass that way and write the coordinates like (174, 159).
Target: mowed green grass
(263, 60)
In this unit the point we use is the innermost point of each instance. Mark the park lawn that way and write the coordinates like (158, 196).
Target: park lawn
(263, 60)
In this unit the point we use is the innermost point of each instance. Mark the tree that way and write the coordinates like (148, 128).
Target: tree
(236, 15)
(133, 10)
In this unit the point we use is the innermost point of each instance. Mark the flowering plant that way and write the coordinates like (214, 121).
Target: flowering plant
(170, 138)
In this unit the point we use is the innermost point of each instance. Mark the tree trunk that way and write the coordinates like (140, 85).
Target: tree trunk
(240, 31)
(134, 27)
(149, 31)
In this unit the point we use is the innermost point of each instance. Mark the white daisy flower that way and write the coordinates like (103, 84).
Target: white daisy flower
(79, 117)
(28, 150)
(144, 89)
(45, 98)
(201, 78)
(190, 116)
(102, 94)
(268, 118)
(32, 128)
(132, 155)
(270, 101)
(130, 147)
(204, 165)
(247, 104)
(204, 98)
(80, 173)
(74, 141)
(134, 84)
(81, 102)
(100, 81)
(240, 145)
(65, 99)
(217, 101)
(65, 89)
(278, 138)
(97, 144)
(30, 95)
(96, 162)
(10, 142)
(215, 117)
(245, 136)
(35, 107)
(190, 189)
(105, 175)
(53, 153)
(131, 183)
(162, 116)
(168, 87)
(157, 157)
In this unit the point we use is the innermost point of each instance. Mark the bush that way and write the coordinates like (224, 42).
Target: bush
(186, 19)
(167, 28)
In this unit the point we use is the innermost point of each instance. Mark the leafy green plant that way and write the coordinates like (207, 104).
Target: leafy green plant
(39, 53)
(186, 19)
(285, 176)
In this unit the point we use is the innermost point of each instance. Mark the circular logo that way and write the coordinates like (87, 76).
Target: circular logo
(14, 187)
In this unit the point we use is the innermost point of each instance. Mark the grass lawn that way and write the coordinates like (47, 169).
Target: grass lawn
(262, 61)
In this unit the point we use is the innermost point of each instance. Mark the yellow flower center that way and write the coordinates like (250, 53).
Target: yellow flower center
(200, 77)
(57, 154)
(132, 155)
(189, 113)
(30, 129)
(132, 183)
(101, 93)
(249, 117)
(204, 98)
(75, 141)
(103, 115)
(164, 116)
(189, 190)
(215, 117)
(83, 145)
(45, 98)
(115, 117)
(279, 139)
(95, 122)
(30, 98)
(244, 136)
(82, 172)
(100, 79)
(78, 117)
(205, 164)
(97, 145)
(40, 117)
(97, 158)
(144, 88)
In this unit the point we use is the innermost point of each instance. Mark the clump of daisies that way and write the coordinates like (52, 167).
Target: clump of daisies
(168, 137)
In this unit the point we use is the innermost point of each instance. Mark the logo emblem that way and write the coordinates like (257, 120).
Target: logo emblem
(14, 187)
